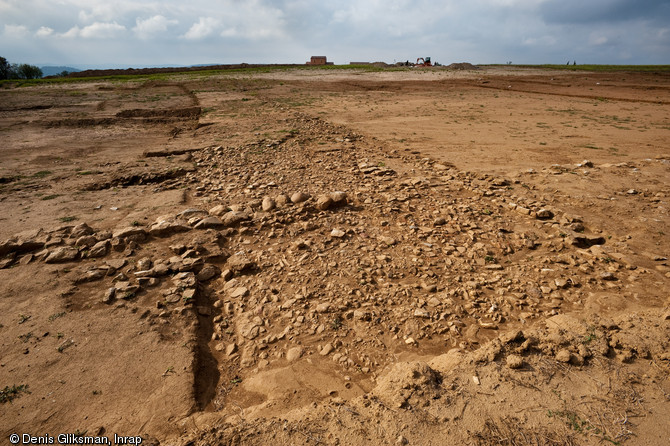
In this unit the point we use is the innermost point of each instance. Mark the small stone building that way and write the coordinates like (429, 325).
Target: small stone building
(319, 60)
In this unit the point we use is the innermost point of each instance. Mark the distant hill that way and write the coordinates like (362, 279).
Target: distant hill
(52, 71)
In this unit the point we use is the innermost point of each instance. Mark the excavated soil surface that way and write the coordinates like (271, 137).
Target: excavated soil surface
(427, 256)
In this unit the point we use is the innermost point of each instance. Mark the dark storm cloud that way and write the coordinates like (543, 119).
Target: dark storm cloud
(604, 11)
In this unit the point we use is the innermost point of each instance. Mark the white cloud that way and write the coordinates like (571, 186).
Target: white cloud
(102, 30)
(145, 29)
(44, 31)
(254, 20)
(205, 27)
(16, 31)
(96, 30)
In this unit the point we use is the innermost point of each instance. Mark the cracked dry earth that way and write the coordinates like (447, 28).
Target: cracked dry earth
(247, 259)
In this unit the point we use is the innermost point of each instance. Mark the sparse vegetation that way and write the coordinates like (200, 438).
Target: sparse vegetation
(8, 394)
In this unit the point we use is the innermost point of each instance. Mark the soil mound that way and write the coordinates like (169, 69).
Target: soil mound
(463, 66)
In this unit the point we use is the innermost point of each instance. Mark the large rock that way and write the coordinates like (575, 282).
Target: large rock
(134, 232)
(209, 223)
(99, 249)
(233, 218)
(190, 213)
(62, 254)
(168, 225)
(218, 210)
(80, 230)
(86, 241)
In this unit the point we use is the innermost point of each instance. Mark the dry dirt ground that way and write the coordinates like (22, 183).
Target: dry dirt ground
(338, 257)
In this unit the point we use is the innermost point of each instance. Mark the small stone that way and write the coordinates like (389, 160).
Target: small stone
(90, 276)
(144, 264)
(410, 340)
(282, 199)
(326, 350)
(188, 294)
(108, 297)
(239, 263)
(420, 312)
(561, 283)
(339, 198)
(514, 361)
(389, 241)
(268, 204)
(116, 264)
(178, 249)
(429, 287)
(607, 276)
(564, 356)
(160, 270)
(544, 214)
(299, 197)
(99, 249)
(208, 272)
(323, 307)
(239, 292)
(337, 233)
(218, 210)
(324, 202)
(439, 221)
(231, 349)
(294, 353)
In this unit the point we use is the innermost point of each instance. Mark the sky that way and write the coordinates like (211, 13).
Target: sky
(139, 33)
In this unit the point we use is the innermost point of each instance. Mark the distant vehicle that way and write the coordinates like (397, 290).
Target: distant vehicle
(423, 62)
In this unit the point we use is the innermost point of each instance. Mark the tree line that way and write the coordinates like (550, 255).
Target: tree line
(18, 71)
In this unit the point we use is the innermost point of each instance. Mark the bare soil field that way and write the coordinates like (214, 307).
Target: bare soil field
(338, 257)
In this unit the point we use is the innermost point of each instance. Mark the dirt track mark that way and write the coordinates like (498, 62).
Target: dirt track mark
(138, 179)
(188, 112)
(594, 97)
